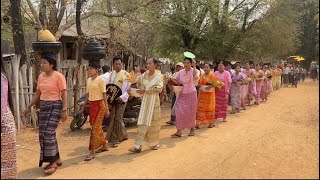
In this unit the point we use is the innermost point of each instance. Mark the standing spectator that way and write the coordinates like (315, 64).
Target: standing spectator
(303, 74)
(286, 73)
(8, 130)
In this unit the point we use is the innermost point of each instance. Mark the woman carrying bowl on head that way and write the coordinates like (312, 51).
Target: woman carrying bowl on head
(51, 92)
(149, 122)
(186, 103)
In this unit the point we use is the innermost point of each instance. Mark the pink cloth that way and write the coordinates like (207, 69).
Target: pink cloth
(235, 92)
(225, 77)
(4, 95)
(186, 79)
(252, 85)
(222, 97)
(186, 109)
(259, 84)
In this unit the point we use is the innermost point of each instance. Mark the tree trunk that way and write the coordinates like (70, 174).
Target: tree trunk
(112, 40)
(52, 24)
(43, 13)
(17, 30)
(76, 87)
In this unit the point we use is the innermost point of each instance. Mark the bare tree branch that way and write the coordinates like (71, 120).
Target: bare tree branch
(43, 13)
(64, 27)
(78, 21)
(63, 5)
(34, 13)
(238, 6)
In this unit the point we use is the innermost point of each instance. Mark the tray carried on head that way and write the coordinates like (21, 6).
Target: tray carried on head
(46, 46)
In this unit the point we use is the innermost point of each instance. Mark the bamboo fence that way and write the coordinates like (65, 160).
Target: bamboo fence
(22, 82)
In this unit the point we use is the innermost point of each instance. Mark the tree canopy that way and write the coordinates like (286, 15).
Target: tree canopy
(212, 29)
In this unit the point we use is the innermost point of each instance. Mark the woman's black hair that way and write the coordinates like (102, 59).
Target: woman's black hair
(105, 68)
(155, 61)
(188, 59)
(117, 58)
(51, 58)
(210, 65)
(221, 62)
(95, 64)
(10, 101)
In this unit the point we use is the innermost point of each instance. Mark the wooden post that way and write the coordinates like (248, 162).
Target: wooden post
(15, 65)
(59, 61)
(22, 99)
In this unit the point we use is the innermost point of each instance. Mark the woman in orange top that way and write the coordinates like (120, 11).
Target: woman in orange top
(206, 98)
(51, 91)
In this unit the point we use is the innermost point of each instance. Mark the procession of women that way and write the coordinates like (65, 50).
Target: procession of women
(201, 95)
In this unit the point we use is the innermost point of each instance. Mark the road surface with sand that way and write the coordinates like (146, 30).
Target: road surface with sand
(277, 139)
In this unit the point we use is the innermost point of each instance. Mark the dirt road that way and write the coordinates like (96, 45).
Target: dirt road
(278, 139)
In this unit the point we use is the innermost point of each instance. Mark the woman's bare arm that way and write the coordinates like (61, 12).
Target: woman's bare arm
(35, 99)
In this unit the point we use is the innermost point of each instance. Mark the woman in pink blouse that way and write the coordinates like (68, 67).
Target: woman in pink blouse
(222, 95)
(186, 103)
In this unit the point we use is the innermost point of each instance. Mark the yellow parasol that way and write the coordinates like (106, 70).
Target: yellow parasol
(299, 58)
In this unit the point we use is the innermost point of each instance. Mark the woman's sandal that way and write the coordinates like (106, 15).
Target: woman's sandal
(49, 165)
(156, 147)
(102, 150)
(124, 139)
(197, 127)
(191, 134)
(170, 122)
(211, 126)
(89, 158)
(51, 169)
(135, 150)
(114, 145)
(175, 135)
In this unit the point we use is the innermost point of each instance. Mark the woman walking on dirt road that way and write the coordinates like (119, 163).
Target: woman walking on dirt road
(51, 91)
(222, 95)
(149, 122)
(206, 100)
(186, 103)
(96, 95)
